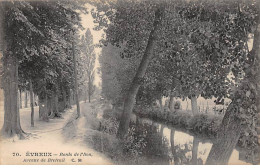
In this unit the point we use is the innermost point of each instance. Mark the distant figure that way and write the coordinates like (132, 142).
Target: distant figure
(177, 105)
(35, 103)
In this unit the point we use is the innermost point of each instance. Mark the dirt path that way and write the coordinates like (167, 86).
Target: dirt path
(47, 137)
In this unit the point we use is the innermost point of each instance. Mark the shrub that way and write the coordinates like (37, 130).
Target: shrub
(204, 124)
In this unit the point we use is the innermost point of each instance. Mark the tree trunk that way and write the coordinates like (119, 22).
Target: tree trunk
(12, 124)
(172, 146)
(45, 112)
(172, 141)
(195, 146)
(64, 99)
(26, 100)
(70, 99)
(257, 66)
(194, 105)
(171, 103)
(187, 105)
(43, 106)
(20, 99)
(89, 94)
(134, 87)
(160, 103)
(75, 80)
(36, 99)
(89, 87)
(32, 103)
(56, 104)
(50, 106)
(227, 137)
(85, 94)
(161, 130)
(244, 106)
(11, 116)
(73, 98)
(207, 108)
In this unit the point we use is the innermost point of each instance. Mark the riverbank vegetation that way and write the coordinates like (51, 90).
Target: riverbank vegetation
(205, 125)
(186, 50)
(146, 139)
(153, 53)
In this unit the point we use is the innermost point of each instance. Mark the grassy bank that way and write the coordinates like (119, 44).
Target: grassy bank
(144, 144)
(203, 125)
(136, 148)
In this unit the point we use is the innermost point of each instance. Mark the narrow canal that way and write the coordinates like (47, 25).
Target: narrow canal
(161, 144)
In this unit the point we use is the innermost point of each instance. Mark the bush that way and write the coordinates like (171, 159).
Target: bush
(204, 124)
(142, 140)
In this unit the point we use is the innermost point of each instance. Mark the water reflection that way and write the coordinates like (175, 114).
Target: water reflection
(152, 146)
(181, 155)
(164, 145)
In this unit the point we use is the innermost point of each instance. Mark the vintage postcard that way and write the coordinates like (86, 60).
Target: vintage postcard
(130, 82)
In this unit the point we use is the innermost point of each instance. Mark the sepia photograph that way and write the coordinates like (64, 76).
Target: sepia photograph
(129, 82)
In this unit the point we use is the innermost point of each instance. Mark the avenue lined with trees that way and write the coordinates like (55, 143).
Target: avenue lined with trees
(152, 51)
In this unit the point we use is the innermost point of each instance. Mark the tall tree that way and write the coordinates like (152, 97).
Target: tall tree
(31, 37)
(204, 40)
(75, 78)
(10, 61)
(117, 73)
(135, 85)
(242, 111)
(88, 60)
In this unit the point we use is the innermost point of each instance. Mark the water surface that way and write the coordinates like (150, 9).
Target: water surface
(168, 145)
